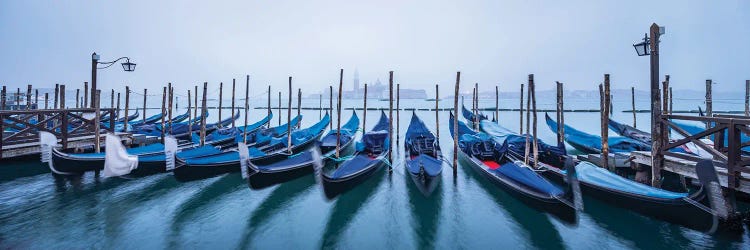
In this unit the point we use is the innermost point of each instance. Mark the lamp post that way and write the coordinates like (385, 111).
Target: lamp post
(127, 66)
(650, 47)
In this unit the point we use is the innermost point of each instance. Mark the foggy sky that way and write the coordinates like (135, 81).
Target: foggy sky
(424, 42)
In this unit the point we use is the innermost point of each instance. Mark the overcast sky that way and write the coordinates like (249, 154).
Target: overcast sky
(424, 42)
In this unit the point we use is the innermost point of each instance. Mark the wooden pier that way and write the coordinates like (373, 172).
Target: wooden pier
(74, 128)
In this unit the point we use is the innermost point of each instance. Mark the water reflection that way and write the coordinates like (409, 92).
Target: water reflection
(215, 189)
(346, 207)
(542, 234)
(425, 213)
(273, 204)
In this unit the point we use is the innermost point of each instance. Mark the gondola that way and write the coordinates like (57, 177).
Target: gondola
(327, 144)
(130, 117)
(285, 164)
(149, 120)
(547, 153)
(76, 163)
(592, 144)
(470, 116)
(424, 159)
(160, 163)
(229, 161)
(182, 131)
(370, 156)
(490, 158)
(230, 136)
(644, 137)
(692, 210)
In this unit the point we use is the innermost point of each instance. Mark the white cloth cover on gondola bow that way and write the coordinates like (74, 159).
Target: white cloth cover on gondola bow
(117, 161)
(170, 149)
(47, 141)
(244, 157)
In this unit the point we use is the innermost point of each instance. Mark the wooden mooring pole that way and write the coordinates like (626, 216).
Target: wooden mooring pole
(86, 95)
(437, 114)
(117, 109)
(203, 115)
(195, 104)
(364, 110)
(390, 121)
(97, 120)
(665, 95)
(527, 148)
(299, 101)
(269, 103)
(288, 118)
(632, 101)
(145, 95)
(171, 101)
(234, 83)
(520, 109)
(657, 127)
(55, 103)
(247, 107)
(330, 105)
(497, 104)
(533, 129)
(605, 125)
(28, 97)
(3, 97)
(560, 115)
(112, 99)
(338, 114)
(709, 99)
(163, 112)
(279, 108)
(62, 97)
(398, 116)
(46, 100)
(747, 97)
(127, 108)
(455, 124)
(78, 105)
(190, 114)
(221, 95)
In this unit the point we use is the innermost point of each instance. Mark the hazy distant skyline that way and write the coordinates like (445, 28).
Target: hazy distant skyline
(423, 42)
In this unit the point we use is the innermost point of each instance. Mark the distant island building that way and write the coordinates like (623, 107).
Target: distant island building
(379, 90)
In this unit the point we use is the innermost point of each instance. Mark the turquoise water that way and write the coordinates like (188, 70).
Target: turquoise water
(387, 212)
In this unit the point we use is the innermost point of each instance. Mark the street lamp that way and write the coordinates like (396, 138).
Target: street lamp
(127, 66)
(643, 48)
(658, 130)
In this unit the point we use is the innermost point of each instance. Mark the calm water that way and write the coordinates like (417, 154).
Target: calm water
(387, 212)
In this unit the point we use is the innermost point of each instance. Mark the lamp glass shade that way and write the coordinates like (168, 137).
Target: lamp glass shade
(642, 48)
(128, 66)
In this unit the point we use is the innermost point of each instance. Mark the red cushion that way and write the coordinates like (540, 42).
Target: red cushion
(491, 164)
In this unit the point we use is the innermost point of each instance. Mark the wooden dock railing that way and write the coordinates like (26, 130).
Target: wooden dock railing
(719, 127)
(22, 126)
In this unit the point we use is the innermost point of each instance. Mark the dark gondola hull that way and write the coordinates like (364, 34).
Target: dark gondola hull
(335, 187)
(65, 163)
(425, 183)
(551, 205)
(148, 168)
(260, 179)
(676, 211)
(186, 172)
